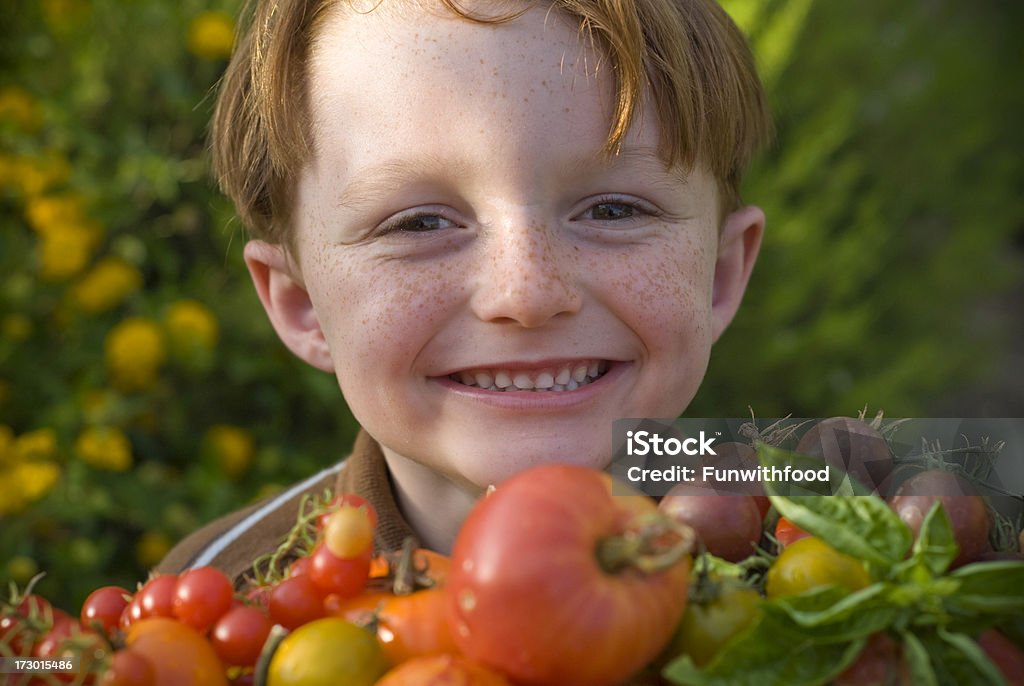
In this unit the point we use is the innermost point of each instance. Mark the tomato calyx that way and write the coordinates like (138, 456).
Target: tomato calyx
(650, 543)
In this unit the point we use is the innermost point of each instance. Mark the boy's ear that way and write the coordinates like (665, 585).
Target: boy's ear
(287, 303)
(738, 245)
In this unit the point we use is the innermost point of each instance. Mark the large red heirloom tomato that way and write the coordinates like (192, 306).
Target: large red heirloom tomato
(554, 580)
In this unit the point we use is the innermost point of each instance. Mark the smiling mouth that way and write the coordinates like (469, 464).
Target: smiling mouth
(567, 377)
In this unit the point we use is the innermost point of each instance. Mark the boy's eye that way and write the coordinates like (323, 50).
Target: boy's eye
(612, 210)
(616, 210)
(417, 223)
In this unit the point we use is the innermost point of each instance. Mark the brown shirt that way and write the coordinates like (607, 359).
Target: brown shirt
(233, 542)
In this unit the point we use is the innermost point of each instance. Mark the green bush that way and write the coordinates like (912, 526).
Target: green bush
(142, 391)
(893, 202)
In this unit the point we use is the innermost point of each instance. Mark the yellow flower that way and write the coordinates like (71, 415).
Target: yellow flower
(134, 351)
(211, 35)
(191, 328)
(151, 547)
(18, 106)
(65, 249)
(25, 483)
(35, 446)
(104, 447)
(15, 327)
(30, 175)
(66, 235)
(106, 285)
(231, 447)
(46, 212)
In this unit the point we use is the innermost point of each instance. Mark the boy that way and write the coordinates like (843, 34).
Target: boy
(501, 232)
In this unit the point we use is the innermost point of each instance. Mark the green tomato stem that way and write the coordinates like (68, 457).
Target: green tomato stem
(654, 544)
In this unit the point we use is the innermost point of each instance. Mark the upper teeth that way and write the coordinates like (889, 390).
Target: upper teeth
(568, 377)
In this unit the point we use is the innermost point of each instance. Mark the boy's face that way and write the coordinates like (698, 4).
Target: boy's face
(458, 229)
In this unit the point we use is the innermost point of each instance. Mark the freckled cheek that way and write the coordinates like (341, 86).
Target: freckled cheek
(385, 316)
(666, 290)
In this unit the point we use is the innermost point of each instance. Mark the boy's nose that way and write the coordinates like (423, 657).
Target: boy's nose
(527, 276)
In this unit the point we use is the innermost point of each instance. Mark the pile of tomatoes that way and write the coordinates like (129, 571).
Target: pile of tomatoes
(333, 611)
(560, 576)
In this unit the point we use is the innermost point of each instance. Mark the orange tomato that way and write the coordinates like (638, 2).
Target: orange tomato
(442, 670)
(179, 654)
(408, 626)
(415, 625)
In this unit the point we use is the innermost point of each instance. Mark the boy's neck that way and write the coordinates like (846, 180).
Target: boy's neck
(433, 504)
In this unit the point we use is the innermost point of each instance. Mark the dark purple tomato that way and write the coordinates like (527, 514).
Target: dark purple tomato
(853, 446)
(729, 526)
(968, 512)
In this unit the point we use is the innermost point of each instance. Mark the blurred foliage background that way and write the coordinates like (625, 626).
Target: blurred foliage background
(142, 391)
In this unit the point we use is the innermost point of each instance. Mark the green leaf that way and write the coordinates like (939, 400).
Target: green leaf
(988, 587)
(835, 614)
(774, 652)
(934, 550)
(958, 659)
(862, 526)
(920, 665)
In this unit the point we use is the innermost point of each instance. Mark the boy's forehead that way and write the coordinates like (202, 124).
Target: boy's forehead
(527, 99)
(419, 36)
(436, 68)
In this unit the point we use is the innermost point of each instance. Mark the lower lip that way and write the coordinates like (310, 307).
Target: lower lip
(535, 400)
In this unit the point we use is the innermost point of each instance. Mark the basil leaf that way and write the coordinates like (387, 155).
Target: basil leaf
(988, 587)
(772, 653)
(936, 547)
(862, 526)
(958, 659)
(835, 614)
(920, 665)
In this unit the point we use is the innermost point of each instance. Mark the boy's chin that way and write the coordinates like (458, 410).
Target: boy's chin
(494, 472)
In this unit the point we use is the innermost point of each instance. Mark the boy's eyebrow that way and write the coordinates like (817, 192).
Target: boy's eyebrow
(391, 174)
(386, 176)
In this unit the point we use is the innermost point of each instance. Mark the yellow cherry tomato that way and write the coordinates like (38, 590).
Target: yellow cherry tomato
(811, 563)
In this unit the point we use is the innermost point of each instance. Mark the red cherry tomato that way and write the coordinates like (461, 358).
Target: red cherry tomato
(300, 566)
(67, 638)
(156, 597)
(343, 576)
(50, 643)
(239, 635)
(104, 607)
(296, 601)
(202, 596)
(787, 532)
(538, 592)
(22, 626)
